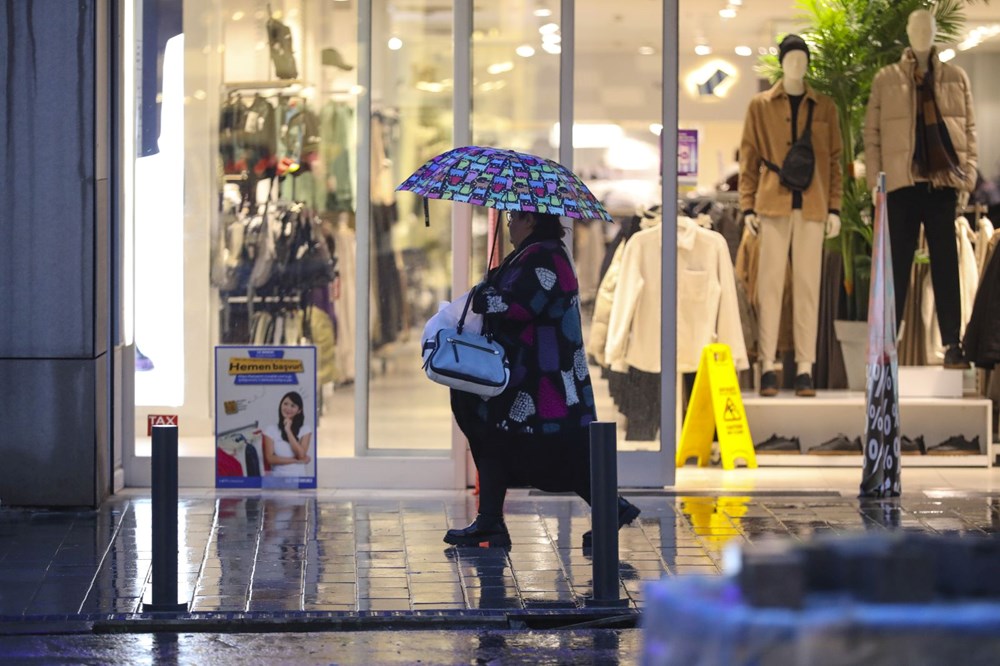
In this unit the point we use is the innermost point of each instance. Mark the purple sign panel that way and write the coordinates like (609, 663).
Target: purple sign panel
(687, 153)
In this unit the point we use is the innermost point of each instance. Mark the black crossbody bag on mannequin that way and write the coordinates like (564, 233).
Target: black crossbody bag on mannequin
(796, 172)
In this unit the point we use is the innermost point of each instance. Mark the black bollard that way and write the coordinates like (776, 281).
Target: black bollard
(604, 514)
(164, 522)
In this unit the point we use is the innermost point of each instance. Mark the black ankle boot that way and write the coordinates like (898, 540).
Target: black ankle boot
(489, 531)
(627, 512)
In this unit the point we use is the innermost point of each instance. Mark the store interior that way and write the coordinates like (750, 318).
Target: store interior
(198, 283)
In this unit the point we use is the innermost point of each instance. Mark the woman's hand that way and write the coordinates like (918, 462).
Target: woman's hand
(288, 424)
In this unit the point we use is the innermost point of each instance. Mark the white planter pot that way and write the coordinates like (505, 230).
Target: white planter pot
(853, 339)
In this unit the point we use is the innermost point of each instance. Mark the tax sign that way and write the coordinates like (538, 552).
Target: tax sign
(159, 419)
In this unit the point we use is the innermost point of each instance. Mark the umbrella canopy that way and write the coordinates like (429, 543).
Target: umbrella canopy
(505, 180)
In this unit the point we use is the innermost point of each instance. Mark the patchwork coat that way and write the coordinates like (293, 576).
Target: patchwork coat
(532, 305)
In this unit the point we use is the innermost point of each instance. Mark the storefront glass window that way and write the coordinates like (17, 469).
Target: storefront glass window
(617, 83)
(412, 119)
(515, 95)
(244, 217)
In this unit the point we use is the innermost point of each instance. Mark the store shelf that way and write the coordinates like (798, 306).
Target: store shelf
(806, 460)
(833, 413)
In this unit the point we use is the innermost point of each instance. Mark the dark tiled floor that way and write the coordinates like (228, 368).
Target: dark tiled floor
(301, 552)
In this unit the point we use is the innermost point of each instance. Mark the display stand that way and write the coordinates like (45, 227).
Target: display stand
(832, 413)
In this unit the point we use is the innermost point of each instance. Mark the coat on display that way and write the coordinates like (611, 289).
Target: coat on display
(767, 135)
(891, 121)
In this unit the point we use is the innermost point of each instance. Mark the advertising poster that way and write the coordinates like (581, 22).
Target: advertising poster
(265, 417)
(687, 153)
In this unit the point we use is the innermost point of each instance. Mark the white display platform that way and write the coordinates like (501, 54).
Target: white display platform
(832, 413)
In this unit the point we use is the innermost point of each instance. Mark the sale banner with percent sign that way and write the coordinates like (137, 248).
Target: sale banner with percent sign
(880, 477)
(265, 417)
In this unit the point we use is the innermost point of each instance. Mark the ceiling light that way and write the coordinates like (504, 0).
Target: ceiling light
(703, 49)
(735, 3)
(542, 12)
(429, 86)
(490, 86)
(946, 55)
(762, 50)
(551, 38)
(238, 15)
(712, 80)
(978, 35)
(744, 51)
(554, 49)
(773, 50)
(395, 43)
(656, 128)
(500, 67)
(525, 50)
(727, 13)
(646, 50)
(590, 135)
(549, 28)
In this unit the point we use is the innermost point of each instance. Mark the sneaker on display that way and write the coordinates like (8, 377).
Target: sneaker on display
(838, 446)
(778, 444)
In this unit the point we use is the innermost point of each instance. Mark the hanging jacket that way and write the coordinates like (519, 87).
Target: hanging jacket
(767, 134)
(602, 307)
(891, 123)
(982, 336)
(984, 233)
(707, 306)
(968, 281)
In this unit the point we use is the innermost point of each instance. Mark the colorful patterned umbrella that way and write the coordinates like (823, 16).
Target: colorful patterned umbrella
(505, 180)
(880, 477)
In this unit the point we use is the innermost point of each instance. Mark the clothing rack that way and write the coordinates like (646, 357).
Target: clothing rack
(234, 86)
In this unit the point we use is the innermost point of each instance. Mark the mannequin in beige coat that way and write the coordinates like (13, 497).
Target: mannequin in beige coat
(920, 129)
(787, 220)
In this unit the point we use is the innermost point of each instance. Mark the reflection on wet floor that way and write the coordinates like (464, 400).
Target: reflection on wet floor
(299, 552)
(427, 647)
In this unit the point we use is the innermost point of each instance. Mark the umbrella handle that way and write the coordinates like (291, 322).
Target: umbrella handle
(427, 213)
(468, 301)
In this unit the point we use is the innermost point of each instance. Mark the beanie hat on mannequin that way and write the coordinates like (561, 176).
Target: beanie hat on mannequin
(792, 43)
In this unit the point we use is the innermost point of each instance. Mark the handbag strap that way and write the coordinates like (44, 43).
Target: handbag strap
(807, 134)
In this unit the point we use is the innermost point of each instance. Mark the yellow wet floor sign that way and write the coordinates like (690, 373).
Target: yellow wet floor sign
(716, 407)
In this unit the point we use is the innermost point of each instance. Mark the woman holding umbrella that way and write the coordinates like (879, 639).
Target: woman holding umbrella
(535, 432)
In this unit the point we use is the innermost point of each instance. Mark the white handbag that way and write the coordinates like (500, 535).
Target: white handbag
(463, 360)
(467, 361)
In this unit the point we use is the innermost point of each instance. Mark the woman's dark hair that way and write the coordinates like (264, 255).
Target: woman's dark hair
(297, 420)
(548, 226)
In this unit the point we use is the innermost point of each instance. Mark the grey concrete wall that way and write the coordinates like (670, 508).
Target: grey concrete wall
(54, 253)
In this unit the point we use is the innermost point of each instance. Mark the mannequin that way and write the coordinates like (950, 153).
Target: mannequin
(785, 220)
(920, 130)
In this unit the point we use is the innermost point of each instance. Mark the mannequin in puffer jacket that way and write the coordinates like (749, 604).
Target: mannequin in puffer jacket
(920, 129)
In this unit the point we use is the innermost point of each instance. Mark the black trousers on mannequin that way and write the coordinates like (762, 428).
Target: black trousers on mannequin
(553, 463)
(935, 207)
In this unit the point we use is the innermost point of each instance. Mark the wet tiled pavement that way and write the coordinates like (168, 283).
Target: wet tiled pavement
(308, 551)
(427, 648)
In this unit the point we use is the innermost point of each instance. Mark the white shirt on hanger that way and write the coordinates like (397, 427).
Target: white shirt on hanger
(707, 306)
